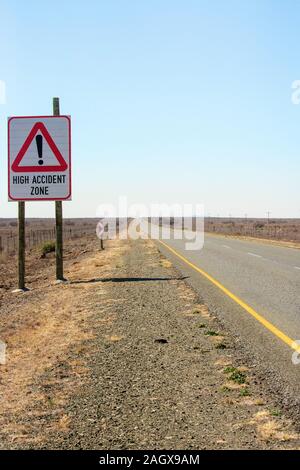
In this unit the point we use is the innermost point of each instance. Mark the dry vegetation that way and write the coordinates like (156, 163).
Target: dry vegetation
(273, 229)
(39, 231)
(45, 340)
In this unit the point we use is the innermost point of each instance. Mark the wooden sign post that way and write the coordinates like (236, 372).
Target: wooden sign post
(21, 245)
(39, 169)
(58, 219)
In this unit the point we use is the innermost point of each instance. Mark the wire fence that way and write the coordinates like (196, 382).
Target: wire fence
(289, 232)
(35, 238)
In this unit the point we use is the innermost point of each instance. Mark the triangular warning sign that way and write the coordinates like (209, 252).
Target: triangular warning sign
(40, 128)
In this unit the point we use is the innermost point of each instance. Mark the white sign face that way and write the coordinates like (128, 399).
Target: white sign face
(39, 158)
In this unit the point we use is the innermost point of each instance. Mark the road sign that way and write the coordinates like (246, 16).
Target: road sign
(39, 158)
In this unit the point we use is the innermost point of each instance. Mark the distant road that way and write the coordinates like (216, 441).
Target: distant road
(264, 276)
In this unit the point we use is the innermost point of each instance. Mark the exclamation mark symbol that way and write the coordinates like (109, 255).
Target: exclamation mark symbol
(39, 144)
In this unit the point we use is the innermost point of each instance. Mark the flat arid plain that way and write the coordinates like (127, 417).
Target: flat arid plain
(141, 349)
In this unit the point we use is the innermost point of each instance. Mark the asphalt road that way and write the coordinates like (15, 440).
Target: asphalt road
(267, 278)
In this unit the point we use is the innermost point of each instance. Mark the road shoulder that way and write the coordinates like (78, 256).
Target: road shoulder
(127, 356)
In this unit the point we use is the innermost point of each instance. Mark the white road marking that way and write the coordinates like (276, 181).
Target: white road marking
(254, 254)
(226, 246)
(296, 267)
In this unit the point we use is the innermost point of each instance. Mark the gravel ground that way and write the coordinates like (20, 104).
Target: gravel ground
(157, 369)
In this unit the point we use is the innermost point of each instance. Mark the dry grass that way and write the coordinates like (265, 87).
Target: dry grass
(114, 338)
(41, 331)
(282, 231)
(3, 258)
(269, 428)
(165, 263)
(223, 361)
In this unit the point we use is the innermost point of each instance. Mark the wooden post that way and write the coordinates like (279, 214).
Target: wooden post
(59, 241)
(21, 246)
(59, 219)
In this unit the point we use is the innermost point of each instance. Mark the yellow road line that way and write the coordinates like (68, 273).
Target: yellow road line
(286, 339)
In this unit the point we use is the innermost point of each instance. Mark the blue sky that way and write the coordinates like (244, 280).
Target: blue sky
(171, 101)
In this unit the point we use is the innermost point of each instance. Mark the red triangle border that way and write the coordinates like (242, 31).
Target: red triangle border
(39, 126)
